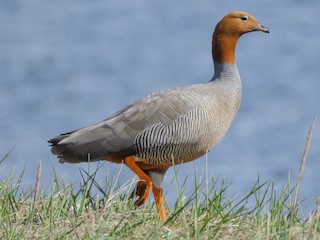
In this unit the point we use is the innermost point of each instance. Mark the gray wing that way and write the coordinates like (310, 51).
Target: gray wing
(115, 136)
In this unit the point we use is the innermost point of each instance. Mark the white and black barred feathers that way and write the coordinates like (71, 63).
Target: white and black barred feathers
(185, 139)
(195, 133)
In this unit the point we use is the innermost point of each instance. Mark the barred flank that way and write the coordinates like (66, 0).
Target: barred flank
(179, 141)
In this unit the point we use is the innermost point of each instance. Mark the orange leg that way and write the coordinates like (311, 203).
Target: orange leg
(157, 193)
(144, 180)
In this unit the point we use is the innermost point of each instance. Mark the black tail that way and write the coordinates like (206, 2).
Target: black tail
(56, 140)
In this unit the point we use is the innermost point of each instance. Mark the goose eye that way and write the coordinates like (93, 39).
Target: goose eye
(244, 18)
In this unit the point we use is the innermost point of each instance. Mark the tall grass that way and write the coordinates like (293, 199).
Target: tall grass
(99, 212)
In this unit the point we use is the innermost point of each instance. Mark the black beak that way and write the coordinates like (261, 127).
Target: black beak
(262, 28)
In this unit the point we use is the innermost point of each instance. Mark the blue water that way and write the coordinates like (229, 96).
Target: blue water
(68, 64)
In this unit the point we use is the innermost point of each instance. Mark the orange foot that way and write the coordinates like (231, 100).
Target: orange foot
(140, 192)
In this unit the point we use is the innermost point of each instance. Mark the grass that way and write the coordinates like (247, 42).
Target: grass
(105, 212)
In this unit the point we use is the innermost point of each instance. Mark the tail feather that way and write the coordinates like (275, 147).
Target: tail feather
(59, 149)
(54, 141)
(84, 145)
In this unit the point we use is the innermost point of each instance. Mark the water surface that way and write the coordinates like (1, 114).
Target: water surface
(68, 64)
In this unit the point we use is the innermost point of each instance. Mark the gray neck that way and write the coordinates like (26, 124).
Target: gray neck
(225, 71)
